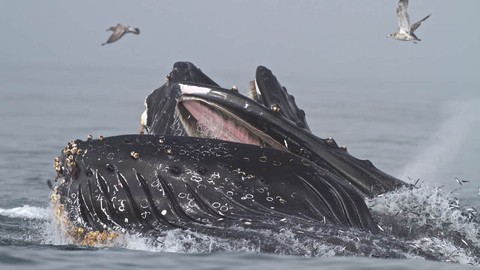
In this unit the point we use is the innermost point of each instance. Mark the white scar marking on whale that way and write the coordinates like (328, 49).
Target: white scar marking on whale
(190, 89)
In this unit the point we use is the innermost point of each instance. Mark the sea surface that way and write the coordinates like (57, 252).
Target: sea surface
(424, 132)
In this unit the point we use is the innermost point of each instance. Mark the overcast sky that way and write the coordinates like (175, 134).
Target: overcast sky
(339, 39)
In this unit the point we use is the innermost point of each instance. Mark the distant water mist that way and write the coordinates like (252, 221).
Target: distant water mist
(453, 145)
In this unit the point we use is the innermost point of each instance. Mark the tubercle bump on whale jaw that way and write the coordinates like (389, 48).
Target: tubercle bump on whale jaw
(274, 95)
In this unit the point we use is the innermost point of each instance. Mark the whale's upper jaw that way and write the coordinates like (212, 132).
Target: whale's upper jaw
(159, 115)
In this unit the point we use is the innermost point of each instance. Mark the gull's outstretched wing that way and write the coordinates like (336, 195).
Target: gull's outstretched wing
(417, 24)
(402, 16)
(133, 30)
(118, 32)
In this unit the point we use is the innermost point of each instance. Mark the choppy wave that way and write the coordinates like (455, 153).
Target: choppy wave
(26, 212)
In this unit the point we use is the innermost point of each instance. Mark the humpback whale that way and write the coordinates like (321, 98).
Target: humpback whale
(262, 167)
(262, 181)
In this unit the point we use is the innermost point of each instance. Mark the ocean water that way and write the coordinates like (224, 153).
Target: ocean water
(413, 130)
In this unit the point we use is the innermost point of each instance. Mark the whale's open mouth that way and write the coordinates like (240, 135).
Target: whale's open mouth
(206, 119)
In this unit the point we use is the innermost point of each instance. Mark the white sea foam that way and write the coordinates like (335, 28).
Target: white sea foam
(26, 211)
(180, 241)
(431, 220)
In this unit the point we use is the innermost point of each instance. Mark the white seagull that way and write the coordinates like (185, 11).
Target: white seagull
(405, 30)
(118, 31)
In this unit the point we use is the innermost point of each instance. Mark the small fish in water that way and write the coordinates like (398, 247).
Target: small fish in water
(460, 182)
(49, 184)
(416, 181)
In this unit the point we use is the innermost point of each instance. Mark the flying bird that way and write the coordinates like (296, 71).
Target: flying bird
(405, 30)
(118, 31)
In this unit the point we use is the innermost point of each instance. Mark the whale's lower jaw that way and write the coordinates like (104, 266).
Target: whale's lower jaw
(148, 184)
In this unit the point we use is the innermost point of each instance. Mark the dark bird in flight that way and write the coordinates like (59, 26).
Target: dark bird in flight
(118, 31)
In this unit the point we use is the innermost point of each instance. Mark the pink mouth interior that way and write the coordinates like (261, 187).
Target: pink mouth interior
(210, 124)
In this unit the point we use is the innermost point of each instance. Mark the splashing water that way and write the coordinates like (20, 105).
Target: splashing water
(432, 220)
(424, 222)
(26, 212)
(451, 144)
